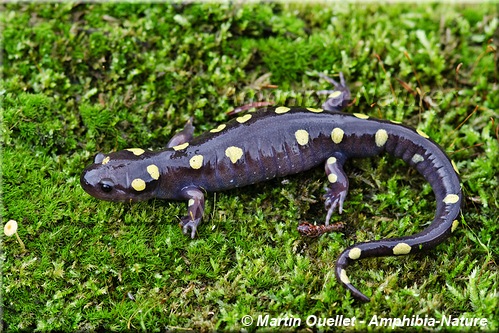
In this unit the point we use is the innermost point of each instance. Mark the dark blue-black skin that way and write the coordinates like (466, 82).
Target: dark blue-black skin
(275, 142)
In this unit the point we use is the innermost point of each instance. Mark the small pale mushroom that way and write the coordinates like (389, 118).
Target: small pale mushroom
(10, 229)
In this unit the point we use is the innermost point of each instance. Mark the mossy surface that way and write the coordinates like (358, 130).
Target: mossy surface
(82, 78)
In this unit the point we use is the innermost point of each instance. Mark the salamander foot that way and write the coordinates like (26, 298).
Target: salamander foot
(332, 200)
(187, 224)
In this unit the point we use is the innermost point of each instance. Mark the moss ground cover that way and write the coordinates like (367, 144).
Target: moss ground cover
(83, 78)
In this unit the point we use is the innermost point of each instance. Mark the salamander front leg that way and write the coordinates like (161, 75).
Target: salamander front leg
(338, 185)
(183, 136)
(195, 210)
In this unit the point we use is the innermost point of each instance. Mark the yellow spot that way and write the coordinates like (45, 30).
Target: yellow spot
(343, 277)
(361, 115)
(281, 110)
(234, 153)
(417, 158)
(191, 202)
(153, 171)
(243, 119)
(451, 199)
(196, 161)
(454, 166)
(455, 223)
(136, 151)
(401, 248)
(138, 184)
(396, 122)
(105, 160)
(334, 94)
(218, 129)
(332, 177)
(337, 135)
(380, 137)
(331, 160)
(181, 146)
(423, 134)
(314, 110)
(354, 253)
(302, 137)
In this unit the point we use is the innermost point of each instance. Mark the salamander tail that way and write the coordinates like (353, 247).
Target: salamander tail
(341, 275)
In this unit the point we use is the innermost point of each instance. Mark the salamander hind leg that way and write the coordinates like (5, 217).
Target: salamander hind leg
(338, 185)
(336, 193)
(338, 98)
(195, 210)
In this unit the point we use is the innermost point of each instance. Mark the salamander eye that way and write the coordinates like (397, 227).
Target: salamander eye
(106, 185)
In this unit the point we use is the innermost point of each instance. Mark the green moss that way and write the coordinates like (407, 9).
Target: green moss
(82, 78)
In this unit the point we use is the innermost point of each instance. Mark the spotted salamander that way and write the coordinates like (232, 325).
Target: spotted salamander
(275, 142)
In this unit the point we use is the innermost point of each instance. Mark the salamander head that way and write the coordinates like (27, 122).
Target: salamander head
(123, 176)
